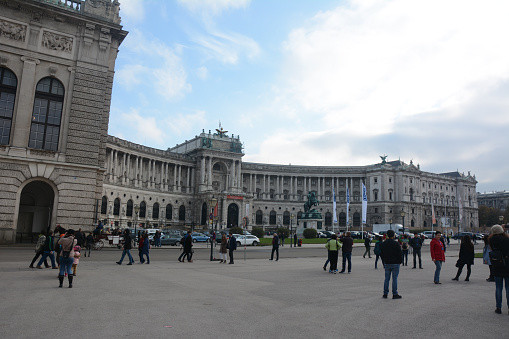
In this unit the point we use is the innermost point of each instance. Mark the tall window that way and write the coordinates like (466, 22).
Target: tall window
(104, 205)
(129, 210)
(47, 115)
(259, 217)
(8, 85)
(182, 213)
(116, 207)
(169, 212)
(272, 218)
(143, 209)
(155, 211)
(286, 218)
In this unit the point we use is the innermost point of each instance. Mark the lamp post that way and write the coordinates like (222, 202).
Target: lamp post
(136, 211)
(403, 219)
(213, 204)
(291, 230)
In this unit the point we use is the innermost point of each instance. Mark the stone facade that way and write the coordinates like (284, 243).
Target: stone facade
(498, 200)
(75, 44)
(268, 195)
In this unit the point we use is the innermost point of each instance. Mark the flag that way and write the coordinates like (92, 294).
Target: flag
(347, 204)
(460, 205)
(364, 203)
(433, 217)
(334, 205)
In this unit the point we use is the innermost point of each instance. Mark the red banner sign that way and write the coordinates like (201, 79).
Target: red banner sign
(234, 197)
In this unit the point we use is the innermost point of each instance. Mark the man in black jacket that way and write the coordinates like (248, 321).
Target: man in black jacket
(127, 247)
(49, 247)
(347, 252)
(391, 255)
(416, 244)
(232, 246)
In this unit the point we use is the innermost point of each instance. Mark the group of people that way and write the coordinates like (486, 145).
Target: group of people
(67, 247)
(332, 245)
(143, 248)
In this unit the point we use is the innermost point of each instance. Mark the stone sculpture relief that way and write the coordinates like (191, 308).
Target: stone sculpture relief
(57, 42)
(12, 31)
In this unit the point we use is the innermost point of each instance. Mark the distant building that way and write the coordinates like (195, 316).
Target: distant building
(498, 200)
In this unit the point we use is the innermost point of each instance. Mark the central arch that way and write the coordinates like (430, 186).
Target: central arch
(233, 215)
(35, 211)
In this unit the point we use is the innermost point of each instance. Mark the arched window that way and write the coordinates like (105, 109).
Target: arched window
(169, 212)
(116, 207)
(286, 218)
(259, 217)
(272, 218)
(182, 213)
(342, 219)
(143, 209)
(47, 115)
(129, 211)
(356, 219)
(155, 211)
(328, 219)
(104, 205)
(8, 83)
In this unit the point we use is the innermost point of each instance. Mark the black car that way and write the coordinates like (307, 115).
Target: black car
(460, 235)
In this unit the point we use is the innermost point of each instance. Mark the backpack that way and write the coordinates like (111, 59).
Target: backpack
(40, 244)
(498, 260)
(405, 245)
(377, 249)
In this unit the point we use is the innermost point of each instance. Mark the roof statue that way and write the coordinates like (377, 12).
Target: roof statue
(384, 159)
(220, 131)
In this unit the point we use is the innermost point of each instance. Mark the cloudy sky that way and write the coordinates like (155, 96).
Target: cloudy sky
(322, 82)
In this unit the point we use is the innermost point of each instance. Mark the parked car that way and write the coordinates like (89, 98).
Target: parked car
(199, 237)
(459, 235)
(170, 239)
(325, 234)
(249, 240)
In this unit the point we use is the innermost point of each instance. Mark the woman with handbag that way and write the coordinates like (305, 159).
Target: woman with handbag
(223, 249)
(66, 256)
(499, 243)
(466, 257)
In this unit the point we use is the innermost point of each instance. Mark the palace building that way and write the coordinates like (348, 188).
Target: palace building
(59, 166)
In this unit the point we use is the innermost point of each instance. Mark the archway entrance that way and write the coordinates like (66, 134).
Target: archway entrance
(35, 209)
(233, 215)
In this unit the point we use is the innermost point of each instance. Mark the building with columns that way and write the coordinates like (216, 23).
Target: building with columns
(174, 187)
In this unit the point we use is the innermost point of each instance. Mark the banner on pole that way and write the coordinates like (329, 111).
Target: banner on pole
(347, 205)
(364, 203)
(334, 205)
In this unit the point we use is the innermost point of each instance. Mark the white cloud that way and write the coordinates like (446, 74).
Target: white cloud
(213, 7)
(183, 124)
(132, 10)
(146, 128)
(202, 73)
(227, 48)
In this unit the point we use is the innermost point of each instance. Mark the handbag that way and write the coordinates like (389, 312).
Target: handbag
(498, 260)
(66, 254)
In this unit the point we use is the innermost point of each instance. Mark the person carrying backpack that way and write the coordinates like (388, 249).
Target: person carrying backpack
(333, 247)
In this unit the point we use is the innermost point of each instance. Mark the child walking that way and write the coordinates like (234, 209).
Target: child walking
(77, 255)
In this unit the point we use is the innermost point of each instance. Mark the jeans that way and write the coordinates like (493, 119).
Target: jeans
(45, 255)
(438, 264)
(405, 257)
(417, 252)
(128, 252)
(347, 256)
(274, 249)
(66, 266)
(498, 290)
(333, 257)
(367, 251)
(40, 253)
(230, 254)
(142, 260)
(157, 242)
(394, 270)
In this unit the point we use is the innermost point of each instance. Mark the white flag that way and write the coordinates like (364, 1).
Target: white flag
(334, 205)
(347, 204)
(364, 203)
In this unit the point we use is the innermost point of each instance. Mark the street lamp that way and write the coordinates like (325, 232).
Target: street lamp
(136, 211)
(403, 219)
(291, 230)
(213, 204)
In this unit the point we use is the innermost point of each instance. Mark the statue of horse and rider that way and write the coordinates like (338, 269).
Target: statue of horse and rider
(312, 201)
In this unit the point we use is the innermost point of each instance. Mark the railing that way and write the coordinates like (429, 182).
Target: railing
(72, 5)
(26, 237)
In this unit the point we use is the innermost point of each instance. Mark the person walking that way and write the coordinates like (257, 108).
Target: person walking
(437, 255)
(145, 249)
(282, 238)
(275, 247)
(67, 243)
(181, 257)
(127, 248)
(39, 250)
(416, 244)
(466, 257)
(499, 243)
(392, 257)
(347, 252)
(80, 238)
(367, 245)
(486, 258)
(77, 255)
(48, 249)
(157, 239)
(90, 241)
(222, 249)
(232, 246)
(377, 251)
(141, 239)
(333, 247)
(188, 248)
(404, 250)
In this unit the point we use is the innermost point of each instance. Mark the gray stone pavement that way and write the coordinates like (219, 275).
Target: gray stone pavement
(255, 298)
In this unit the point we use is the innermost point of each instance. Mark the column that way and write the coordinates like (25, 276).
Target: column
(188, 178)
(110, 165)
(175, 177)
(250, 183)
(239, 176)
(123, 167)
(323, 187)
(192, 177)
(277, 187)
(209, 174)
(180, 178)
(232, 174)
(128, 169)
(305, 186)
(263, 186)
(140, 173)
(115, 170)
(202, 171)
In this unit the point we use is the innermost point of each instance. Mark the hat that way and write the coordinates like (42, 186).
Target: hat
(497, 229)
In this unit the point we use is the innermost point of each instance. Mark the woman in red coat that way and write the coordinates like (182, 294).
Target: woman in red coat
(437, 255)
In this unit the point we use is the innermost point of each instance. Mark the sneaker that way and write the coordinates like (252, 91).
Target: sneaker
(414, 267)
(456, 279)
(31, 266)
(118, 262)
(55, 268)
(384, 296)
(498, 311)
(396, 296)
(129, 264)
(39, 267)
(467, 279)
(330, 271)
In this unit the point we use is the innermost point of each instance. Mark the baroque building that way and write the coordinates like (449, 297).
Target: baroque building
(57, 60)
(498, 199)
(59, 166)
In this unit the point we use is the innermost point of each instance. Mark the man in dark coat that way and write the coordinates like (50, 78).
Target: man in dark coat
(416, 244)
(275, 247)
(232, 246)
(347, 252)
(392, 257)
(127, 248)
